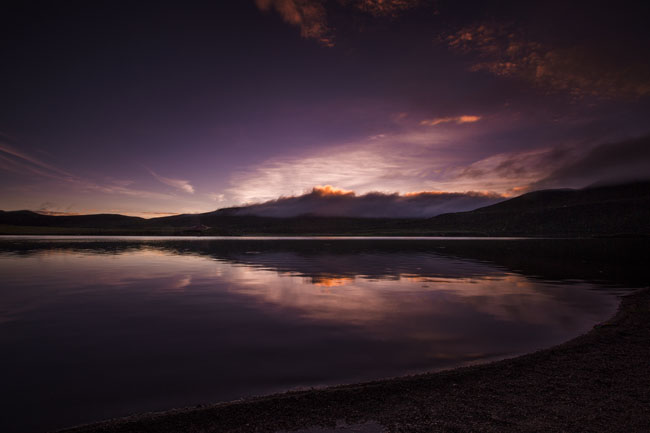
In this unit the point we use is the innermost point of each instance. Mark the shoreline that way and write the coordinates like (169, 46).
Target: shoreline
(599, 381)
(288, 236)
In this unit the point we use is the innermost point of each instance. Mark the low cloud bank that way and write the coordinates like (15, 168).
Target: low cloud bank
(332, 202)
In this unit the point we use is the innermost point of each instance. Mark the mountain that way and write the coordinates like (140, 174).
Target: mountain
(602, 210)
(29, 218)
(327, 201)
(597, 211)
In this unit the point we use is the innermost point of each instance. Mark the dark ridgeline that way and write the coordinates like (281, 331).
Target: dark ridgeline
(617, 210)
(606, 210)
(29, 218)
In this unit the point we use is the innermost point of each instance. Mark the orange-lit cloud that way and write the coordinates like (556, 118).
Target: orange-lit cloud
(414, 160)
(334, 202)
(425, 160)
(577, 70)
(329, 190)
(458, 120)
(327, 281)
(311, 16)
(308, 15)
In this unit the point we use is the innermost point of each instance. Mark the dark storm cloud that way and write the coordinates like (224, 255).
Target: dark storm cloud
(328, 201)
(608, 163)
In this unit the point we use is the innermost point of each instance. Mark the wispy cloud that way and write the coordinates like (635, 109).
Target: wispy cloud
(457, 120)
(183, 185)
(218, 197)
(16, 160)
(22, 163)
(410, 161)
(572, 165)
(439, 160)
(627, 160)
(118, 189)
(514, 172)
(50, 209)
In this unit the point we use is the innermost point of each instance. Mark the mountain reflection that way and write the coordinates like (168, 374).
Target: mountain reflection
(618, 262)
(211, 320)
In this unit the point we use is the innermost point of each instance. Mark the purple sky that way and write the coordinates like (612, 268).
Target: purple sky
(188, 107)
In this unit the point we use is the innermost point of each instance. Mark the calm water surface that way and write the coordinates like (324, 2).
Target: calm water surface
(99, 328)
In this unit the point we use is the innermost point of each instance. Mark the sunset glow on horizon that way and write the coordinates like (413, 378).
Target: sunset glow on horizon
(207, 106)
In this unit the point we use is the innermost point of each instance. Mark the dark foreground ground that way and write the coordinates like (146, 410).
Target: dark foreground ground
(598, 382)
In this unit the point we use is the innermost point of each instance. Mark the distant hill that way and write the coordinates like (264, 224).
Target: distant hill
(598, 211)
(224, 223)
(29, 218)
(604, 210)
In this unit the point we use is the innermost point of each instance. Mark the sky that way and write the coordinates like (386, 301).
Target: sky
(160, 108)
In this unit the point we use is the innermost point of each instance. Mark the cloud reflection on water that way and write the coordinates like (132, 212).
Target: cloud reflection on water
(170, 323)
(398, 287)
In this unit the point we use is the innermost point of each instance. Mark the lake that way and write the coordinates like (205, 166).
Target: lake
(95, 328)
